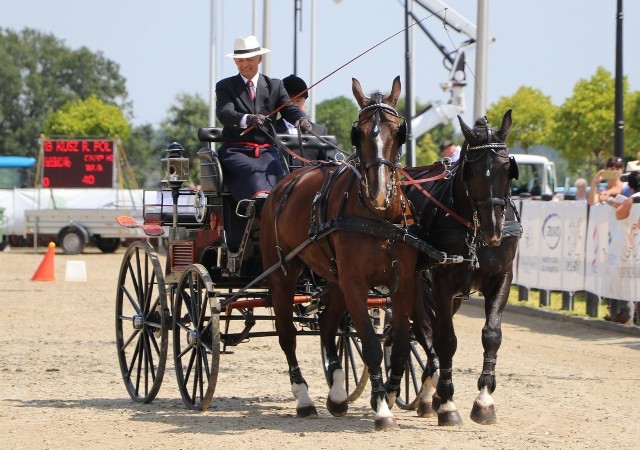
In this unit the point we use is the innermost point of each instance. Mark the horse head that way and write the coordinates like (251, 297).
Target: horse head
(378, 135)
(487, 170)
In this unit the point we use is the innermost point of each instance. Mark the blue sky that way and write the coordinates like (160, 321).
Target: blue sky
(163, 46)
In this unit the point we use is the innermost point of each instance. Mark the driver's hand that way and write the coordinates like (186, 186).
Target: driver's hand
(305, 125)
(255, 119)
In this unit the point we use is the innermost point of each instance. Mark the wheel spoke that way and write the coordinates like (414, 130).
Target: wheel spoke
(141, 305)
(194, 333)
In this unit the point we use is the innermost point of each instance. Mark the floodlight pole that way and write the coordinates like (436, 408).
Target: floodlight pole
(482, 48)
(618, 126)
(408, 88)
(212, 68)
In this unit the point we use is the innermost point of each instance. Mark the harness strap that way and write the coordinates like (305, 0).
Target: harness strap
(453, 214)
(382, 230)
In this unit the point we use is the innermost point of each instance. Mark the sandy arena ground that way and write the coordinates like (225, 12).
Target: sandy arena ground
(560, 384)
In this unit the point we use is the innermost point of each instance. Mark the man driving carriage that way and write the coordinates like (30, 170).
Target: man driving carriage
(244, 101)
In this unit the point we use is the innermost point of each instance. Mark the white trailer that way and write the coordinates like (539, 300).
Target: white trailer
(74, 229)
(73, 218)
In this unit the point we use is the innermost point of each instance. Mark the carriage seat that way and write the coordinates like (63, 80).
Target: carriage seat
(158, 207)
(313, 148)
(211, 177)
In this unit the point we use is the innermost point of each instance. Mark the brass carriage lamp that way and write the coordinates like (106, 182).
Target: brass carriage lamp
(175, 167)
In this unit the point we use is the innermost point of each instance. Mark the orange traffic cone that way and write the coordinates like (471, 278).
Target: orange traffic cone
(46, 270)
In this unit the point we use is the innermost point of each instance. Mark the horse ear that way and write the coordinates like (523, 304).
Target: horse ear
(466, 131)
(362, 99)
(506, 126)
(396, 88)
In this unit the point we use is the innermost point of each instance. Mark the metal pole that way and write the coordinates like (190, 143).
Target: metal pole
(295, 37)
(212, 68)
(266, 34)
(312, 68)
(254, 18)
(409, 112)
(480, 98)
(618, 126)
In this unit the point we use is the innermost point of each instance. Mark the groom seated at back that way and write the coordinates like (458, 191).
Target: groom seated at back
(297, 90)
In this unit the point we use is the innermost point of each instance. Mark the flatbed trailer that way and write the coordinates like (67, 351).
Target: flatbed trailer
(73, 228)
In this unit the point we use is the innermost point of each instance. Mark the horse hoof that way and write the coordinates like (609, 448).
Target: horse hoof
(484, 415)
(337, 409)
(425, 410)
(307, 412)
(449, 418)
(386, 424)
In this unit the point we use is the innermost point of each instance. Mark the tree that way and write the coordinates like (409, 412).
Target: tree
(144, 149)
(338, 115)
(88, 118)
(185, 117)
(584, 132)
(533, 117)
(632, 125)
(39, 74)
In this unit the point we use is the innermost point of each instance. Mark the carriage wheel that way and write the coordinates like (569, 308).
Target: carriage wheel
(350, 356)
(196, 337)
(141, 322)
(416, 362)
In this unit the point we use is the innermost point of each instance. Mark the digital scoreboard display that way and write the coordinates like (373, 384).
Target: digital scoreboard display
(81, 163)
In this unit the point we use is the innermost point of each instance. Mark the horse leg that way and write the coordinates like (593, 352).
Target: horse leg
(355, 297)
(282, 289)
(329, 321)
(400, 349)
(484, 411)
(423, 334)
(445, 345)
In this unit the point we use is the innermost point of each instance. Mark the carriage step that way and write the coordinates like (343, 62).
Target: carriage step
(151, 229)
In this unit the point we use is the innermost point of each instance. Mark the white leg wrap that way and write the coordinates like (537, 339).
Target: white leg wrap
(383, 410)
(484, 398)
(447, 407)
(429, 387)
(338, 393)
(301, 394)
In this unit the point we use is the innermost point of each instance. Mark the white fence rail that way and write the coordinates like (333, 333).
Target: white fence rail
(568, 246)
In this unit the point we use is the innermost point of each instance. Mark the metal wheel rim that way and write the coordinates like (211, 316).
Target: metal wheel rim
(141, 321)
(196, 337)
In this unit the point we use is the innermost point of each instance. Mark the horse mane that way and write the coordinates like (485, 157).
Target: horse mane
(375, 97)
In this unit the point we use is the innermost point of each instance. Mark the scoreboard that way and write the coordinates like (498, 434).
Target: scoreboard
(70, 163)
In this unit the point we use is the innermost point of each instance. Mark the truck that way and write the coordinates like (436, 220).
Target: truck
(537, 176)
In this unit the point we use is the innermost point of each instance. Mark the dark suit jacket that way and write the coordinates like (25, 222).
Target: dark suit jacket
(233, 102)
(320, 130)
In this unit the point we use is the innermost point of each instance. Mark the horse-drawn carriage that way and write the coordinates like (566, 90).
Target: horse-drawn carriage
(228, 263)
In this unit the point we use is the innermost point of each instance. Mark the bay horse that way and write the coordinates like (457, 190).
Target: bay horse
(339, 220)
(469, 212)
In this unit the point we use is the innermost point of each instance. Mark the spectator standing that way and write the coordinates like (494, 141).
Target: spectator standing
(611, 173)
(632, 166)
(450, 150)
(581, 189)
(624, 311)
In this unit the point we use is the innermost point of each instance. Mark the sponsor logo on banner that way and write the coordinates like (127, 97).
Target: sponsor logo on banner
(552, 230)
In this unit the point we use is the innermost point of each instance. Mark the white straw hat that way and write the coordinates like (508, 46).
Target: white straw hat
(247, 48)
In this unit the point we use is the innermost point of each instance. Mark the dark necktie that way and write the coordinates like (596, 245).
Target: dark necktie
(252, 92)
